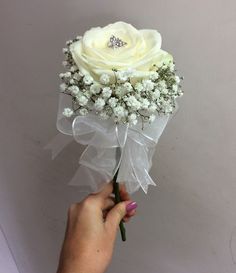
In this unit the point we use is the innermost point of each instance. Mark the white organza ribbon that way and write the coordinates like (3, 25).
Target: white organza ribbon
(111, 147)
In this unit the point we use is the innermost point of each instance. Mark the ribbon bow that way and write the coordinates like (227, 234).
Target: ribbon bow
(110, 147)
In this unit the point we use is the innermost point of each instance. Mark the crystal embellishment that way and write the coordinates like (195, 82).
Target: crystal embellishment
(116, 42)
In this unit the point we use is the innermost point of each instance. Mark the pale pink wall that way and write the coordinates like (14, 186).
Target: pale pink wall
(187, 223)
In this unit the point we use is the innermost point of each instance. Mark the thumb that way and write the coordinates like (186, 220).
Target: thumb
(117, 213)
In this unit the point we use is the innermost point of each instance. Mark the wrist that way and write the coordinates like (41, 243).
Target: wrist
(83, 263)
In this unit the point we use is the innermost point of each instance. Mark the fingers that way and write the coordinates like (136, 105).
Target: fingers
(126, 197)
(115, 215)
(123, 193)
(129, 215)
(108, 203)
(100, 202)
(119, 212)
(102, 198)
(106, 190)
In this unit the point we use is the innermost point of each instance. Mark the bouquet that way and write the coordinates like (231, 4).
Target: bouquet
(118, 92)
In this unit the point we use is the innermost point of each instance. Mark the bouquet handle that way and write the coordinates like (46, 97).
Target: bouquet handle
(116, 191)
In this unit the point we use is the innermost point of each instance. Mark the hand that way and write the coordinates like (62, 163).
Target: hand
(91, 231)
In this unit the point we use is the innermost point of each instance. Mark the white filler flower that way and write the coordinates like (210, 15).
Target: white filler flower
(95, 88)
(82, 100)
(133, 119)
(74, 90)
(112, 102)
(148, 85)
(119, 111)
(104, 79)
(68, 112)
(87, 79)
(99, 104)
(106, 92)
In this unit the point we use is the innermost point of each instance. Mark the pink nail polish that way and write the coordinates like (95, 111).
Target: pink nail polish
(131, 206)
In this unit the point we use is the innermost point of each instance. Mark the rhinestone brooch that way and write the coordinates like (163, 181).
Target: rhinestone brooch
(116, 42)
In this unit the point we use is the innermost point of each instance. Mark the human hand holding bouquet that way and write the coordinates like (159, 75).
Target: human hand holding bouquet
(92, 225)
(119, 91)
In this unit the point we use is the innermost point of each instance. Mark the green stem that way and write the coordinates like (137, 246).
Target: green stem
(116, 191)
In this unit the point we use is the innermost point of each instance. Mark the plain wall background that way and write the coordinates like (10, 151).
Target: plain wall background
(187, 223)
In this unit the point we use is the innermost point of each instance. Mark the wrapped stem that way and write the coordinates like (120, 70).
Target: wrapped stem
(116, 191)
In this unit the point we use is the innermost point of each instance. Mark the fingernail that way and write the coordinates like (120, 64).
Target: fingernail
(131, 206)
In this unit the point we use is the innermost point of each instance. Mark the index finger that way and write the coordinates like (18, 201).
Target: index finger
(106, 190)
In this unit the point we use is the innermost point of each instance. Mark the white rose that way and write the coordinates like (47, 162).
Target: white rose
(93, 56)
